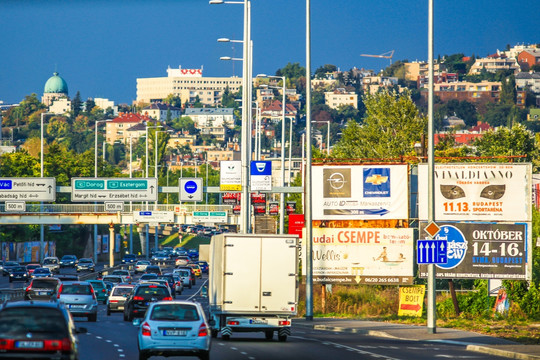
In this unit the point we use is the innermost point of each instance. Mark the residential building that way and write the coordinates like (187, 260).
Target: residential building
(222, 155)
(465, 137)
(211, 117)
(116, 130)
(159, 111)
(60, 106)
(515, 50)
(493, 64)
(528, 58)
(339, 97)
(452, 122)
(188, 84)
(105, 104)
(416, 69)
(481, 92)
(273, 110)
(529, 80)
(264, 95)
(179, 140)
(443, 77)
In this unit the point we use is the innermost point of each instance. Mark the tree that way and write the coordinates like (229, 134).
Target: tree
(508, 91)
(76, 105)
(90, 105)
(322, 71)
(391, 127)
(184, 124)
(509, 142)
(19, 164)
(173, 100)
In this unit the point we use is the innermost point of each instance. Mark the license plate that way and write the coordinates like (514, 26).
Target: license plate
(76, 306)
(43, 293)
(29, 344)
(255, 321)
(174, 332)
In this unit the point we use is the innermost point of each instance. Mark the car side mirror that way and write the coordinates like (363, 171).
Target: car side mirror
(81, 330)
(136, 322)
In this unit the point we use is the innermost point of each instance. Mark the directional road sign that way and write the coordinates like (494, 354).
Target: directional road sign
(432, 252)
(113, 189)
(28, 189)
(191, 189)
(153, 216)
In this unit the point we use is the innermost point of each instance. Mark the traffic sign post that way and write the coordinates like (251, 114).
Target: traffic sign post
(28, 189)
(191, 189)
(432, 252)
(113, 189)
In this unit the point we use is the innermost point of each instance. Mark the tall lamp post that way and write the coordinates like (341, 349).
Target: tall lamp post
(96, 175)
(157, 181)
(147, 245)
(41, 228)
(282, 196)
(246, 113)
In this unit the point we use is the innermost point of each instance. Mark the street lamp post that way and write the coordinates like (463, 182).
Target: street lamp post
(246, 113)
(41, 228)
(95, 175)
(147, 245)
(157, 181)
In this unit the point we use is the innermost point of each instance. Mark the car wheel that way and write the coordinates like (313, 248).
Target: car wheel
(204, 355)
(143, 355)
(125, 316)
(108, 311)
(282, 338)
(92, 318)
(269, 334)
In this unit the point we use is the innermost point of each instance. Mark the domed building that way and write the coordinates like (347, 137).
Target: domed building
(55, 88)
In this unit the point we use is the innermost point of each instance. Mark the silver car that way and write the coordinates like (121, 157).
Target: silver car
(174, 328)
(140, 266)
(119, 293)
(79, 299)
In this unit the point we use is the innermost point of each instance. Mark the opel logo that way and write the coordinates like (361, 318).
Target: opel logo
(336, 181)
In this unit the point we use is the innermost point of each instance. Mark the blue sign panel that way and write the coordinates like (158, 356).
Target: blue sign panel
(432, 252)
(145, 213)
(6, 184)
(377, 182)
(261, 168)
(190, 187)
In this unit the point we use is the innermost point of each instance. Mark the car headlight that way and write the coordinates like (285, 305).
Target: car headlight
(25, 275)
(10, 274)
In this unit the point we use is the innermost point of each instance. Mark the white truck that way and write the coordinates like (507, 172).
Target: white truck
(253, 284)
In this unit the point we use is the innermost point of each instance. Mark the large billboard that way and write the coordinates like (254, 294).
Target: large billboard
(360, 192)
(477, 192)
(362, 256)
(477, 250)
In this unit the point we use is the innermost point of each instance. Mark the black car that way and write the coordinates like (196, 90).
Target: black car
(153, 269)
(19, 273)
(32, 330)
(86, 264)
(170, 281)
(129, 259)
(140, 298)
(68, 261)
(67, 277)
(42, 289)
(8, 265)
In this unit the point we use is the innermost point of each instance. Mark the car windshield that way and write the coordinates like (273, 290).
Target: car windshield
(85, 261)
(149, 277)
(32, 266)
(42, 271)
(19, 268)
(174, 312)
(152, 290)
(69, 257)
(183, 273)
(76, 289)
(113, 279)
(50, 261)
(11, 263)
(121, 291)
(40, 322)
(44, 284)
(143, 263)
(120, 272)
(97, 284)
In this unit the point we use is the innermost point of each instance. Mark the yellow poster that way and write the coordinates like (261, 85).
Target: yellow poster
(411, 300)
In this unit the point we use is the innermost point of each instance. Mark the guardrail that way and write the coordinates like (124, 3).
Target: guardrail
(128, 208)
(11, 294)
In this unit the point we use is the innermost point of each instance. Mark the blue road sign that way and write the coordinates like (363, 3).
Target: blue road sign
(261, 168)
(431, 252)
(190, 187)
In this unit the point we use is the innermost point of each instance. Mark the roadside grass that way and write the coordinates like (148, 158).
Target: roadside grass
(191, 241)
(380, 303)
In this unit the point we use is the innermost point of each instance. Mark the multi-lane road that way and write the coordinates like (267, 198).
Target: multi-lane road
(112, 338)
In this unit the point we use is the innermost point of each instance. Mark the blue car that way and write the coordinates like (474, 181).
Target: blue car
(129, 259)
(193, 254)
(204, 266)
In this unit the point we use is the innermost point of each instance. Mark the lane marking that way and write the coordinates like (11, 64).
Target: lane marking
(346, 347)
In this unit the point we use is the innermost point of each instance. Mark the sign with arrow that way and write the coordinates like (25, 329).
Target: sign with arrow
(28, 189)
(191, 189)
(432, 252)
(411, 300)
(113, 189)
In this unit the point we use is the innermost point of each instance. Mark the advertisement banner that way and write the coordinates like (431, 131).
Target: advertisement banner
(258, 199)
(483, 191)
(117, 241)
(362, 255)
(99, 244)
(236, 209)
(231, 198)
(360, 192)
(291, 207)
(482, 251)
(105, 244)
(261, 175)
(296, 224)
(230, 175)
(273, 208)
(411, 300)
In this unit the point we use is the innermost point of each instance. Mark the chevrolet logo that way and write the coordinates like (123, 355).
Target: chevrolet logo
(377, 179)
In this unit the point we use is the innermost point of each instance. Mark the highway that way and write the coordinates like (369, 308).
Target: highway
(112, 338)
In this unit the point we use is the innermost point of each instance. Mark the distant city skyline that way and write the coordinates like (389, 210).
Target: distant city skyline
(101, 47)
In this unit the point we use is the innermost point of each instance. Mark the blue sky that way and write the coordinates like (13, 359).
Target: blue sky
(100, 47)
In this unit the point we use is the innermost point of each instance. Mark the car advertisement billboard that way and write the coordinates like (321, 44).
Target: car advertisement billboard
(478, 192)
(478, 250)
(360, 192)
(362, 255)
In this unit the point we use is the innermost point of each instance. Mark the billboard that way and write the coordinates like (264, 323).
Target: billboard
(479, 250)
(362, 255)
(478, 192)
(360, 192)
(230, 175)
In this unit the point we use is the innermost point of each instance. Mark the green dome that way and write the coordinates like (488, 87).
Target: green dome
(56, 85)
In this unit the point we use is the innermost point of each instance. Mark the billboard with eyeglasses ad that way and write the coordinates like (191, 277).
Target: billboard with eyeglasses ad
(478, 192)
